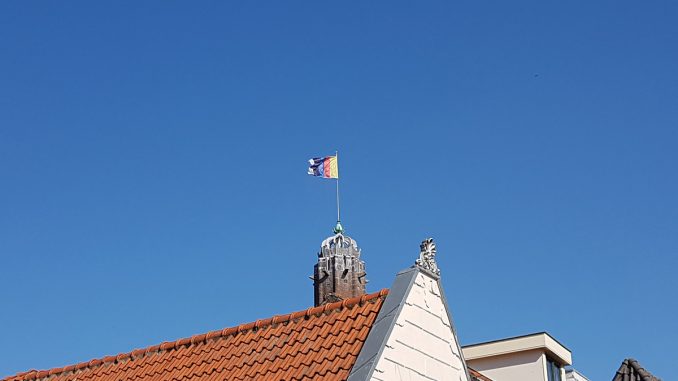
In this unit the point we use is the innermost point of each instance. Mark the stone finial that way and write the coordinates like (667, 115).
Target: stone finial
(427, 256)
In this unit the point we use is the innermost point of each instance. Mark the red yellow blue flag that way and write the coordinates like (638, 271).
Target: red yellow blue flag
(326, 167)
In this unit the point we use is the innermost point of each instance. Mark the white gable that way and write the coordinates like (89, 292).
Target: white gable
(422, 344)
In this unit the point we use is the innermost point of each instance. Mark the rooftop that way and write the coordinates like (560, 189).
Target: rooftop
(631, 370)
(540, 340)
(320, 343)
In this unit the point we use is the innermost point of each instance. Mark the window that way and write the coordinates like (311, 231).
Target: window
(552, 370)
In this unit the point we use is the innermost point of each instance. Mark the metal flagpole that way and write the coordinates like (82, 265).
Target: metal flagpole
(337, 159)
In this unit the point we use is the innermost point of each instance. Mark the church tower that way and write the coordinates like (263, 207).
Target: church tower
(339, 273)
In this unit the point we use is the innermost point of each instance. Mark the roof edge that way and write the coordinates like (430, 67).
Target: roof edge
(198, 339)
(630, 366)
(474, 373)
(383, 325)
(454, 329)
(540, 341)
(516, 337)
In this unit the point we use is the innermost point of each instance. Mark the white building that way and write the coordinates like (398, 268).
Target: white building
(534, 357)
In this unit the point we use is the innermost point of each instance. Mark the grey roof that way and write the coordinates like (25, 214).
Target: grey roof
(631, 370)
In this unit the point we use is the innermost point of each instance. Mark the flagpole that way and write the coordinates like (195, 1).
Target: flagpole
(337, 158)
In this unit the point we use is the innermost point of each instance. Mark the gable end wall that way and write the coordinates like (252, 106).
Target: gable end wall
(415, 340)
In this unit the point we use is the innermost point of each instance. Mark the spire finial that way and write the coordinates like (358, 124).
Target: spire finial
(338, 229)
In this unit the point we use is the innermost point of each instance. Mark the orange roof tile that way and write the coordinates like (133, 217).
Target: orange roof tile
(475, 375)
(320, 343)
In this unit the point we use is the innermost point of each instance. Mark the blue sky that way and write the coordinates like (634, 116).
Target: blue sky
(153, 166)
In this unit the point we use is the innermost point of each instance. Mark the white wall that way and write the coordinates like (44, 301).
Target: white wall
(521, 366)
(422, 345)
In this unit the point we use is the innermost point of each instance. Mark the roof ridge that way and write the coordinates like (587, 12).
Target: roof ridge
(638, 368)
(200, 338)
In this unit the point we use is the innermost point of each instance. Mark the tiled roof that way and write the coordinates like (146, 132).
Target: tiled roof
(631, 370)
(477, 376)
(320, 343)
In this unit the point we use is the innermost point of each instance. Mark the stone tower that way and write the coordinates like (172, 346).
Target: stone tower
(339, 273)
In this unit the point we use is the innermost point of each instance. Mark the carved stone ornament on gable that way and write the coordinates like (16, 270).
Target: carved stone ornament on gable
(427, 256)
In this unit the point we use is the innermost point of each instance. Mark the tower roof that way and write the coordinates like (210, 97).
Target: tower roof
(339, 240)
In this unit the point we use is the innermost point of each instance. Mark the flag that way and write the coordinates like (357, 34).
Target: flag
(326, 167)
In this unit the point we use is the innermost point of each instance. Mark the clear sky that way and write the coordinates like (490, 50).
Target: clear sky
(153, 167)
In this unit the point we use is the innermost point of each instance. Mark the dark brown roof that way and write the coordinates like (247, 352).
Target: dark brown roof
(631, 370)
(477, 376)
(320, 343)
